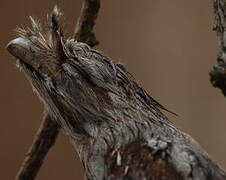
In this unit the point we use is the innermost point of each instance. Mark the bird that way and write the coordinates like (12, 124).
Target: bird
(118, 130)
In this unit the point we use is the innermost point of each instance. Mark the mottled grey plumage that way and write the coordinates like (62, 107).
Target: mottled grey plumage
(112, 122)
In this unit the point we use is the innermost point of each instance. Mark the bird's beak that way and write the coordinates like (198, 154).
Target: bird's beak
(20, 48)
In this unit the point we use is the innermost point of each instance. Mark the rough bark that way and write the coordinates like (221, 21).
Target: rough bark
(218, 72)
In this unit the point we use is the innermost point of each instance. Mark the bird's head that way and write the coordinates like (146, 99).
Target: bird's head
(76, 81)
(69, 76)
(39, 51)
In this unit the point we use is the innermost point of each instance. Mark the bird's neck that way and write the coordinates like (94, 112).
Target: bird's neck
(106, 138)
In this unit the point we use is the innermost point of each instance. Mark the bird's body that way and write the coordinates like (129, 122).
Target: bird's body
(117, 129)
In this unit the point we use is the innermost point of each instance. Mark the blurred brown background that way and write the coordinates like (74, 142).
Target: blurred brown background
(168, 46)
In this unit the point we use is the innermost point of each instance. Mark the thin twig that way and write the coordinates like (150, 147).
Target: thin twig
(49, 130)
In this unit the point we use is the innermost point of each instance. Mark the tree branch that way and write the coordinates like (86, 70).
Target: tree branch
(86, 22)
(43, 141)
(218, 72)
(49, 130)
